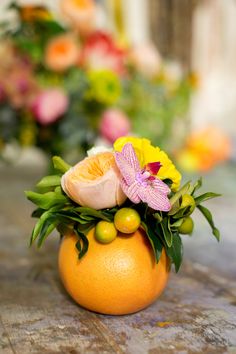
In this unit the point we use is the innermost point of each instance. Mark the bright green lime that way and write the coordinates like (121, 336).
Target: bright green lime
(105, 232)
(187, 226)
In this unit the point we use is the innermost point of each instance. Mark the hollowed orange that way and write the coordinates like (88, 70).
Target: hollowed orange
(116, 278)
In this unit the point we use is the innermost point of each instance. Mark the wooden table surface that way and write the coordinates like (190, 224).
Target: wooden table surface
(195, 314)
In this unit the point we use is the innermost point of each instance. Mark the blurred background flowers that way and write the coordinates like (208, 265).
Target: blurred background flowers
(66, 83)
(75, 73)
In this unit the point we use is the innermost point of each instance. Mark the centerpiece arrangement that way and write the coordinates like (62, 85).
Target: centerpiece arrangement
(120, 213)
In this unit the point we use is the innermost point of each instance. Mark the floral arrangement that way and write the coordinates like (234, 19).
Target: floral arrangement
(65, 82)
(132, 186)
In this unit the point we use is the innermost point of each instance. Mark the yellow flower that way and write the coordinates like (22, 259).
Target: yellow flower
(105, 86)
(147, 153)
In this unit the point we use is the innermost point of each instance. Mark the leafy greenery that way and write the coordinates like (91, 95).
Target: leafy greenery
(56, 211)
(209, 218)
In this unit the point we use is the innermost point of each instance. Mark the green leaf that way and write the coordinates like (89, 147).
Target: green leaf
(78, 246)
(179, 194)
(87, 217)
(154, 240)
(177, 223)
(37, 213)
(209, 218)
(158, 217)
(197, 185)
(58, 190)
(166, 231)
(49, 181)
(64, 228)
(49, 225)
(85, 228)
(46, 200)
(175, 208)
(37, 229)
(71, 215)
(38, 226)
(99, 214)
(206, 196)
(60, 165)
(182, 212)
(85, 244)
(175, 252)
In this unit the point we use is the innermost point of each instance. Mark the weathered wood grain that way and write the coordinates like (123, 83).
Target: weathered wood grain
(171, 28)
(196, 313)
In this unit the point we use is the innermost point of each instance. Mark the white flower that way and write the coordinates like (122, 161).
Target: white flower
(97, 150)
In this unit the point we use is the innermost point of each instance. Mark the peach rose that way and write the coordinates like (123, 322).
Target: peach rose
(81, 14)
(94, 182)
(61, 52)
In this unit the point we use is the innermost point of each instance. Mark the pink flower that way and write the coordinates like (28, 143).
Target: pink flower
(49, 105)
(18, 83)
(139, 184)
(100, 52)
(114, 124)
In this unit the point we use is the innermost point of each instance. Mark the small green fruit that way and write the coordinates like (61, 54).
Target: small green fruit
(188, 200)
(105, 232)
(127, 220)
(187, 226)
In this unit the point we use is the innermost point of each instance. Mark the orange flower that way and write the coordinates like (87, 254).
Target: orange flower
(81, 14)
(94, 182)
(61, 52)
(204, 149)
(211, 141)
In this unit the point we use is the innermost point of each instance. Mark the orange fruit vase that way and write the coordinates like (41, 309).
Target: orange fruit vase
(116, 278)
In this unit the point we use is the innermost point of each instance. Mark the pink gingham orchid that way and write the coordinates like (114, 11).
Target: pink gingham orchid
(139, 184)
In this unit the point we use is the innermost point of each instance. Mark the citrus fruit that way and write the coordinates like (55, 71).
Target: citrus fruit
(188, 200)
(127, 220)
(105, 232)
(187, 226)
(118, 278)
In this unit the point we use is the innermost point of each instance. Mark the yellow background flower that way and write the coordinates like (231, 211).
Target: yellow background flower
(105, 86)
(147, 153)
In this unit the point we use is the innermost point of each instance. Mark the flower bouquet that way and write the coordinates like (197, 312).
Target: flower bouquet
(64, 83)
(120, 213)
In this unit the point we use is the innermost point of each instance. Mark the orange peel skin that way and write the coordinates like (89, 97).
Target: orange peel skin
(118, 278)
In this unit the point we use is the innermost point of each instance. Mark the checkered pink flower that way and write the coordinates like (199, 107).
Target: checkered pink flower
(139, 184)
